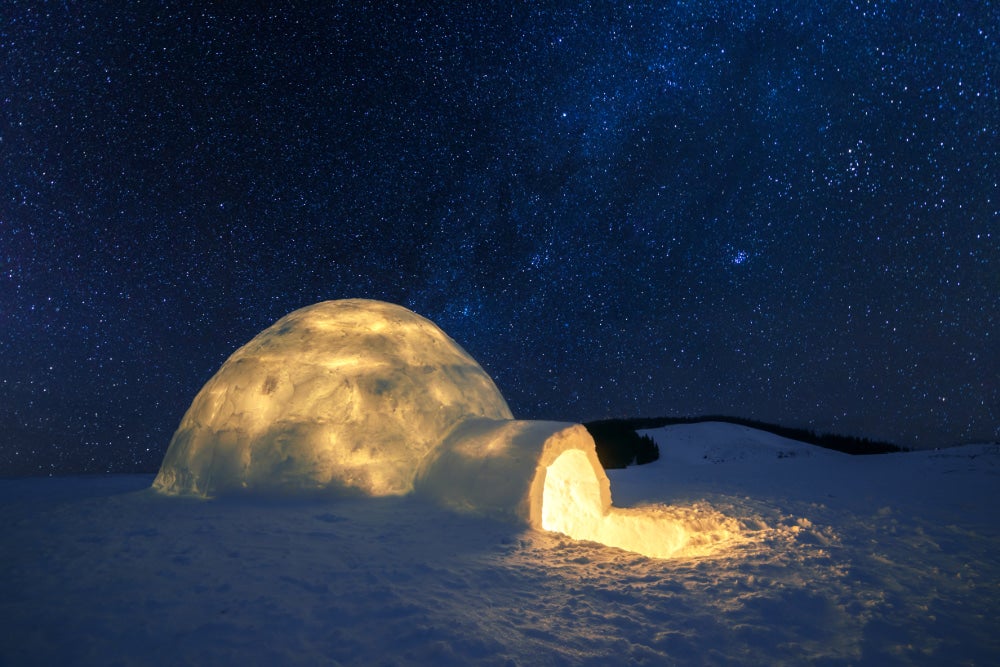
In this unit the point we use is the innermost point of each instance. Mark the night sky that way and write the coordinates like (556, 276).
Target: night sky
(787, 211)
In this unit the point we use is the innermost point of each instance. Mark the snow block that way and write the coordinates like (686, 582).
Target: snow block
(498, 468)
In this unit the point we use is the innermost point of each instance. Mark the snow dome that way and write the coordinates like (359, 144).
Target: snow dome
(370, 398)
(347, 394)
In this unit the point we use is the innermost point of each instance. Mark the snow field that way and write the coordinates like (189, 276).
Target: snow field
(840, 560)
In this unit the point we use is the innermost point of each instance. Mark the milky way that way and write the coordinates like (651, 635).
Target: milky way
(786, 211)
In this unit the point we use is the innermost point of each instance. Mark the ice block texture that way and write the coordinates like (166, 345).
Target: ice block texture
(345, 395)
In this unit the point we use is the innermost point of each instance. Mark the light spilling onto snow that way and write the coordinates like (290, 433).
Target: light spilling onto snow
(547, 474)
(895, 565)
(572, 505)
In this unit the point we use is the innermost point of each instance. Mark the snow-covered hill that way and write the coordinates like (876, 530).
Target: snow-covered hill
(804, 556)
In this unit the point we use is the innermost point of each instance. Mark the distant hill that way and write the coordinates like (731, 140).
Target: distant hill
(619, 443)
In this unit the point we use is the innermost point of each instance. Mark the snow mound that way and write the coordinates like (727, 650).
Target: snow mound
(348, 394)
(722, 442)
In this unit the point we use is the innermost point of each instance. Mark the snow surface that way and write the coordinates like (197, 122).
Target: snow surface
(881, 560)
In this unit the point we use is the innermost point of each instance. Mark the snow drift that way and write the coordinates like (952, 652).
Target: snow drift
(369, 397)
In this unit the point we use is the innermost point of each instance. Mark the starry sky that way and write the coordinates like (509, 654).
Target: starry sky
(787, 211)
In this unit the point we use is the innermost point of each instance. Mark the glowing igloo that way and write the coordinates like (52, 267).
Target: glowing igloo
(371, 398)
(347, 394)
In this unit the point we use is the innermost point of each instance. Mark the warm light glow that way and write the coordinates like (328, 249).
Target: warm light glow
(571, 504)
(348, 394)
(367, 397)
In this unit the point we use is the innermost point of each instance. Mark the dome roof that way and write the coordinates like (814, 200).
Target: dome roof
(349, 394)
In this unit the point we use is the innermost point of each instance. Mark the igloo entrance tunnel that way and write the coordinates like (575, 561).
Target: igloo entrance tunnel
(365, 397)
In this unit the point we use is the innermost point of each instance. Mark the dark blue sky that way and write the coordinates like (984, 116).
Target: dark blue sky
(787, 211)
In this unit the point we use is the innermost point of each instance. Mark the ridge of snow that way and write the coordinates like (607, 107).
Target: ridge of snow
(722, 442)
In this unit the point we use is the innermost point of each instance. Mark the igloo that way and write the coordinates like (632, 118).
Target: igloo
(367, 397)
(347, 395)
